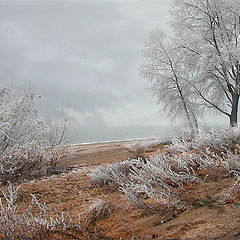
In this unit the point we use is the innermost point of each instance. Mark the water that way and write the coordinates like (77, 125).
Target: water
(106, 134)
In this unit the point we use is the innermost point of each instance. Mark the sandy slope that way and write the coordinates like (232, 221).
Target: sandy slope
(74, 192)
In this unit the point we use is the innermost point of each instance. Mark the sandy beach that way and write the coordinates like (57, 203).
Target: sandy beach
(74, 192)
(97, 153)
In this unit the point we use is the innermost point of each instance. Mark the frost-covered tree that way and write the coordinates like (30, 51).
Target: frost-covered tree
(18, 116)
(29, 145)
(206, 38)
(165, 69)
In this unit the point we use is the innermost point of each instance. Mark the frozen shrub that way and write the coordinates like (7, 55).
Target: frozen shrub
(216, 139)
(98, 210)
(178, 145)
(162, 179)
(39, 221)
(231, 161)
(154, 178)
(133, 196)
(146, 143)
(161, 176)
(111, 173)
(28, 144)
(138, 148)
(158, 178)
(183, 132)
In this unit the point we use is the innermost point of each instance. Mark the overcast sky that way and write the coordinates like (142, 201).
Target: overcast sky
(83, 56)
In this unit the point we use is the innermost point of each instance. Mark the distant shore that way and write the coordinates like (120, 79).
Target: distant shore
(113, 141)
(117, 134)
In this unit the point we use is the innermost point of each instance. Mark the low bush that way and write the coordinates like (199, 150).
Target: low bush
(98, 210)
(111, 173)
(138, 148)
(40, 222)
(216, 139)
(28, 143)
(164, 179)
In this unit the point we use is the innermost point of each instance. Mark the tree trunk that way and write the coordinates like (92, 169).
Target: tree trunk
(234, 111)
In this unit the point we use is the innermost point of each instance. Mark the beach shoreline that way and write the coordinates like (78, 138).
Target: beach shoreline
(117, 141)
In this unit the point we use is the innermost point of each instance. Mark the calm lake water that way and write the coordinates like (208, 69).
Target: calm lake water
(104, 134)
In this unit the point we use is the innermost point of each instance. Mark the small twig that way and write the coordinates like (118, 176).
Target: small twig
(7, 135)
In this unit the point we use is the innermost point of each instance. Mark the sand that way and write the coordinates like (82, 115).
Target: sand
(74, 192)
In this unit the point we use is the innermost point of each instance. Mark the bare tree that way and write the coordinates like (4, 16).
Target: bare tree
(205, 57)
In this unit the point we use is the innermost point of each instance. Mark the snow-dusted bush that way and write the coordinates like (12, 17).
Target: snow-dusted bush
(231, 161)
(116, 172)
(28, 144)
(158, 177)
(153, 178)
(163, 177)
(182, 131)
(216, 139)
(179, 145)
(28, 161)
(39, 221)
(145, 144)
(139, 147)
(98, 210)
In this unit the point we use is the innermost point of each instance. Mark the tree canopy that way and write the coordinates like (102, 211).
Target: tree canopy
(197, 67)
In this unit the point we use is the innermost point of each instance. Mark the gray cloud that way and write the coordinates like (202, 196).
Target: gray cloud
(94, 120)
(82, 55)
